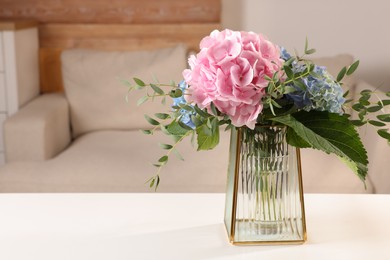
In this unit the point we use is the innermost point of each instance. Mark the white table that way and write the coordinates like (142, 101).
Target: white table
(179, 226)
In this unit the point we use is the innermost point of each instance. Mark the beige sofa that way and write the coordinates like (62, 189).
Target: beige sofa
(88, 140)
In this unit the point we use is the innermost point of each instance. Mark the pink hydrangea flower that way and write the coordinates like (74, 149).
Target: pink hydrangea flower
(229, 71)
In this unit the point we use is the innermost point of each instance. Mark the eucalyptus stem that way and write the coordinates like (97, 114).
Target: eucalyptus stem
(167, 154)
(299, 77)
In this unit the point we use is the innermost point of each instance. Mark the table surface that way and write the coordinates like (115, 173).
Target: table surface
(180, 226)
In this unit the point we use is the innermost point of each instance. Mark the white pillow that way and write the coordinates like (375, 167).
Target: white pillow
(97, 96)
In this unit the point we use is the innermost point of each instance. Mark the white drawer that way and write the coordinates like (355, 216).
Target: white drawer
(1, 52)
(3, 101)
(2, 119)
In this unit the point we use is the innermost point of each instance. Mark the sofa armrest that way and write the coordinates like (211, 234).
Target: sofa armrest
(38, 131)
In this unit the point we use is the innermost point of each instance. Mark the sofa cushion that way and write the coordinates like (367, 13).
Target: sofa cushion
(121, 161)
(92, 83)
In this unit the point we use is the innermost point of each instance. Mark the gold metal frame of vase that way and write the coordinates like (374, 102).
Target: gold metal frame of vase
(234, 206)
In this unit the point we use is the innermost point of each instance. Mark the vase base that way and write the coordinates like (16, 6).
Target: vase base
(269, 231)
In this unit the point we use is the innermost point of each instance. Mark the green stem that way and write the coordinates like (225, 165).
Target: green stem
(299, 77)
(170, 150)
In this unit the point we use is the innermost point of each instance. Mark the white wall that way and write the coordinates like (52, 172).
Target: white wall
(359, 27)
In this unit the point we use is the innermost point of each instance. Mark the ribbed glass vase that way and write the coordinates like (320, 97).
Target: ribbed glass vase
(264, 198)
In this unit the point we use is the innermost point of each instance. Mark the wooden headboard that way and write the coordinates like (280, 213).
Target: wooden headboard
(111, 25)
(56, 37)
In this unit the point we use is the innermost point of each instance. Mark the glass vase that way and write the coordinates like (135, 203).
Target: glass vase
(264, 197)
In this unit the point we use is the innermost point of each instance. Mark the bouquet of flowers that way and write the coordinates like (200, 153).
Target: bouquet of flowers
(243, 80)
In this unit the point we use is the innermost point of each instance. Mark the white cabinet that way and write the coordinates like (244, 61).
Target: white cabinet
(19, 72)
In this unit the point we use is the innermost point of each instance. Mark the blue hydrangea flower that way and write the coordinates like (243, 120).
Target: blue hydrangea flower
(296, 67)
(185, 116)
(284, 54)
(322, 92)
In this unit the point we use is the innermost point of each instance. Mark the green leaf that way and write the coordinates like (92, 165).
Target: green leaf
(374, 109)
(294, 139)
(353, 67)
(362, 113)
(186, 107)
(289, 89)
(311, 51)
(178, 155)
(163, 160)
(207, 142)
(139, 82)
(365, 96)
(213, 109)
(142, 100)
(289, 72)
(376, 123)
(228, 127)
(164, 129)
(346, 93)
(162, 115)
(388, 94)
(195, 119)
(341, 74)
(151, 120)
(182, 125)
(157, 182)
(275, 76)
(306, 44)
(383, 133)
(176, 130)
(330, 133)
(289, 61)
(365, 92)
(208, 123)
(384, 117)
(384, 102)
(300, 84)
(206, 130)
(157, 89)
(271, 107)
(200, 112)
(147, 132)
(310, 67)
(274, 103)
(358, 122)
(176, 93)
(364, 101)
(357, 107)
(152, 183)
(165, 146)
